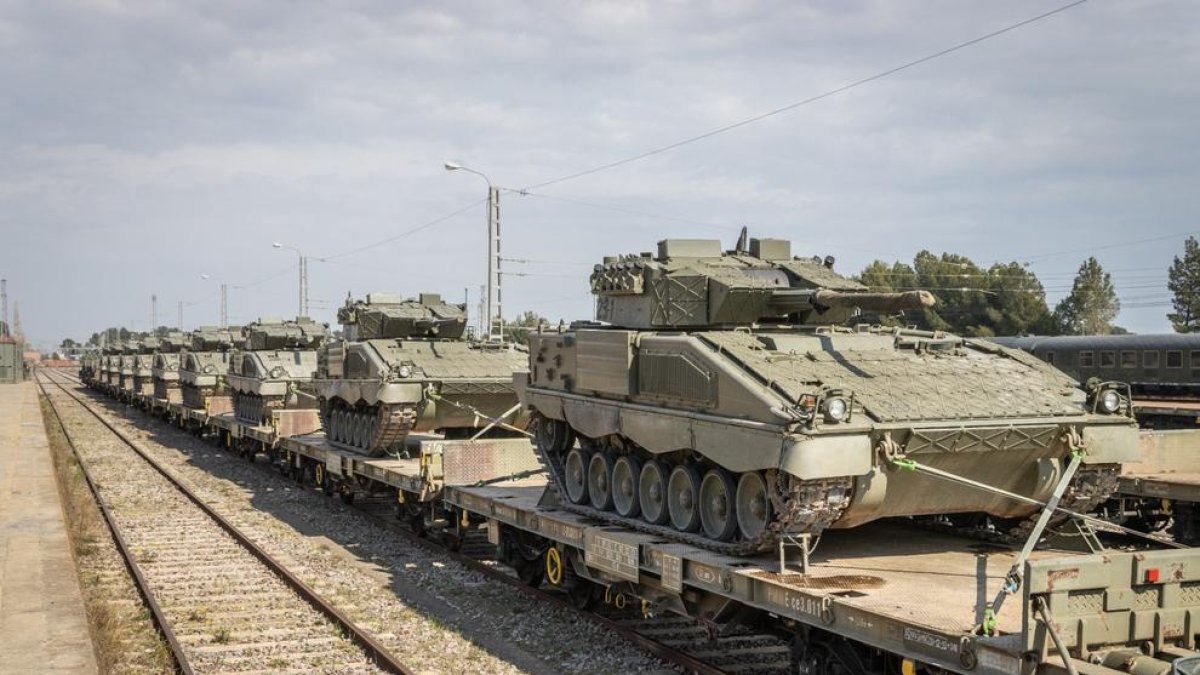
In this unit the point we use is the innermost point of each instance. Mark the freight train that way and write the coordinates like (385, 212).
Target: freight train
(853, 410)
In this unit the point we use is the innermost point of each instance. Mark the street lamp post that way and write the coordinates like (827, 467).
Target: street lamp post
(224, 302)
(492, 302)
(303, 301)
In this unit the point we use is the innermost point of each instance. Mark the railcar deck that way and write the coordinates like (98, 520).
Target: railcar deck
(903, 590)
(908, 592)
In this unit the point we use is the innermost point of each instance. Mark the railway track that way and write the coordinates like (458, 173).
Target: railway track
(221, 602)
(678, 641)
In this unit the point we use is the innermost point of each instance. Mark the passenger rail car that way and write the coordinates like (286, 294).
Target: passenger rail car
(1152, 365)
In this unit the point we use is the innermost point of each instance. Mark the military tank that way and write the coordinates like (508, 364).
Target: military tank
(404, 366)
(165, 368)
(729, 398)
(203, 364)
(276, 358)
(143, 366)
(110, 368)
(127, 357)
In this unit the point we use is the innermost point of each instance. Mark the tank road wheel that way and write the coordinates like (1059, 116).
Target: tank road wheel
(576, 475)
(717, 513)
(555, 436)
(683, 491)
(600, 468)
(753, 505)
(355, 429)
(625, 476)
(652, 492)
(335, 425)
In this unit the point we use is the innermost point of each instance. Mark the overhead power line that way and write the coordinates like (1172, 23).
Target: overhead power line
(425, 226)
(808, 101)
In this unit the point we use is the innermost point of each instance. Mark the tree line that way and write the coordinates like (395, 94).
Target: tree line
(1009, 299)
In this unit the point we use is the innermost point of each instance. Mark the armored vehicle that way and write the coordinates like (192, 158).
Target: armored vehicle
(404, 365)
(731, 398)
(143, 366)
(276, 358)
(128, 355)
(165, 368)
(202, 367)
(110, 368)
(88, 363)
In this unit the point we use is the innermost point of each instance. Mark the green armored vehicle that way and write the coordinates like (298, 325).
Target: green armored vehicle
(127, 357)
(730, 398)
(202, 368)
(404, 366)
(165, 368)
(276, 357)
(143, 366)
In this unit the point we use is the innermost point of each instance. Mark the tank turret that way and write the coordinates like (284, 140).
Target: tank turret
(730, 398)
(271, 333)
(691, 283)
(385, 316)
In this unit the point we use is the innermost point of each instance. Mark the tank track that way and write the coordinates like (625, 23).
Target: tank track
(252, 408)
(1091, 486)
(394, 422)
(800, 506)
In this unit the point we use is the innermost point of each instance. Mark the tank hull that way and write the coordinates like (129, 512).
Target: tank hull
(722, 413)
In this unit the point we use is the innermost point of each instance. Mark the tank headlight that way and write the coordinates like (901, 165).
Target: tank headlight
(404, 371)
(1110, 401)
(836, 409)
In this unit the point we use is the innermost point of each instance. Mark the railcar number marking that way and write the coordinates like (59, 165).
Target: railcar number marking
(672, 572)
(793, 602)
(611, 555)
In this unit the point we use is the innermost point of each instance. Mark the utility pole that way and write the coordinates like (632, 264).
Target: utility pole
(494, 305)
(179, 316)
(303, 285)
(492, 302)
(481, 316)
(4, 302)
(224, 306)
(153, 312)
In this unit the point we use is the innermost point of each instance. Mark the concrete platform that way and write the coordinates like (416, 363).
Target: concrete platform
(42, 623)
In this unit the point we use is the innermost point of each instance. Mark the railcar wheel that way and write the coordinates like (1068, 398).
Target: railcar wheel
(575, 475)
(625, 476)
(683, 491)
(718, 516)
(652, 492)
(600, 468)
(753, 505)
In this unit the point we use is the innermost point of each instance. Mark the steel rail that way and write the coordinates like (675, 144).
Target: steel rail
(664, 651)
(143, 587)
(375, 651)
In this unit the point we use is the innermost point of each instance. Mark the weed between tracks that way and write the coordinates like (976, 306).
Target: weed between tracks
(122, 632)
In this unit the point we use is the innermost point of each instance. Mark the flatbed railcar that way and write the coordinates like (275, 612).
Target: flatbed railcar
(883, 598)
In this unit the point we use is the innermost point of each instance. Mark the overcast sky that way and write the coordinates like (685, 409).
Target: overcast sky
(147, 143)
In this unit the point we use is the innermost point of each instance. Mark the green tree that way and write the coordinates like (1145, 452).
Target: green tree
(1005, 299)
(1183, 279)
(1092, 304)
(519, 330)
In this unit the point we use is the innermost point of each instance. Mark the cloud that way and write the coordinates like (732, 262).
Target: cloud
(148, 142)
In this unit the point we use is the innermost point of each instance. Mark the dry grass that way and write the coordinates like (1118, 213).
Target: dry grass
(124, 637)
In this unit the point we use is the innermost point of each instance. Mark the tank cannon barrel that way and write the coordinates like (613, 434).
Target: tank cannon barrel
(797, 300)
